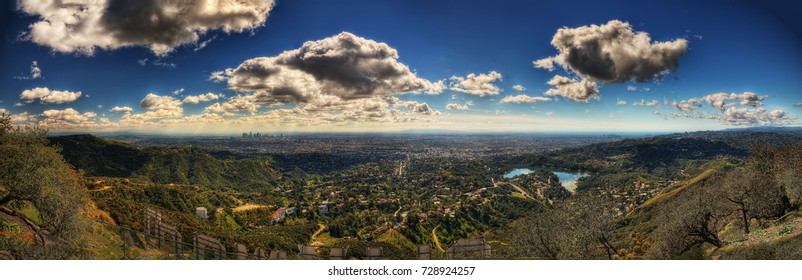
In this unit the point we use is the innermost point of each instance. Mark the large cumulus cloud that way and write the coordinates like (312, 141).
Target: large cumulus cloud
(611, 53)
(345, 66)
(82, 26)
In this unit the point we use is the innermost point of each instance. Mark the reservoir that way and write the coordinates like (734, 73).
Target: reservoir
(567, 178)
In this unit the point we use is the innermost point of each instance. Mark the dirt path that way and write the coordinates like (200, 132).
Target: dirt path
(312, 241)
(520, 190)
(102, 189)
(247, 206)
(437, 240)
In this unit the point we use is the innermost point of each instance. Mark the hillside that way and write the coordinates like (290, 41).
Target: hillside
(185, 165)
(98, 157)
(646, 155)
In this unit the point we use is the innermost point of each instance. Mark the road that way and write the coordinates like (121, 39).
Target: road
(522, 191)
(519, 189)
(396, 211)
(312, 241)
(436, 240)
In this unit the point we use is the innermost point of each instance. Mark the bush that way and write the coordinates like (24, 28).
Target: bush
(5, 226)
(785, 230)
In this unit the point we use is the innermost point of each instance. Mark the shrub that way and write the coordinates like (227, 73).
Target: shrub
(785, 230)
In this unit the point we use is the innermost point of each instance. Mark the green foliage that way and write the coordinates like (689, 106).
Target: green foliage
(5, 226)
(785, 230)
(163, 165)
(35, 176)
(283, 237)
(98, 157)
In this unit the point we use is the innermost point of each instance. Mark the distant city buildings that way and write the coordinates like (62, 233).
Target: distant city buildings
(260, 135)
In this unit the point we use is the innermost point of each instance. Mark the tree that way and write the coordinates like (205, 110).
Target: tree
(692, 219)
(754, 194)
(31, 172)
(592, 221)
(539, 235)
(787, 170)
(582, 228)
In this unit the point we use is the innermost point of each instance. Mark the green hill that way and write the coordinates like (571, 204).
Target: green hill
(98, 157)
(184, 165)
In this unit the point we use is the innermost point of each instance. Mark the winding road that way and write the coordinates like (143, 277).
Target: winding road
(312, 241)
(437, 240)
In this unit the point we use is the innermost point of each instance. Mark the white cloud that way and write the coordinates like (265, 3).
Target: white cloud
(82, 26)
(611, 53)
(518, 87)
(687, 105)
(522, 98)
(234, 104)
(549, 114)
(23, 118)
(46, 95)
(421, 108)
(644, 103)
(195, 99)
(156, 102)
(480, 85)
(124, 109)
(159, 107)
(204, 43)
(721, 101)
(621, 102)
(345, 65)
(632, 88)
(36, 72)
(66, 116)
(577, 90)
(756, 116)
(457, 106)
(614, 52)
(727, 111)
(178, 91)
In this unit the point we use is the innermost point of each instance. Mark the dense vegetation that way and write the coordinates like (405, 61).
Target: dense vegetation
(730, 195)
(711, 215)
(41, 193)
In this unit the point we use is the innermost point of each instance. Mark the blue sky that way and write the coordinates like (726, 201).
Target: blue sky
(748, 51)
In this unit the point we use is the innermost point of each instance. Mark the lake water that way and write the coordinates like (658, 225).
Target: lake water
(567, 179)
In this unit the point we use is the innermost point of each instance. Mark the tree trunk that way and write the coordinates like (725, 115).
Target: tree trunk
(745, 218)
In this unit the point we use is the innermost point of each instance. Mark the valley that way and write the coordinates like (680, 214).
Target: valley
(399, 198)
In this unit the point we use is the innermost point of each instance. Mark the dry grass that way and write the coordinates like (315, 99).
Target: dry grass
(248, 206)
